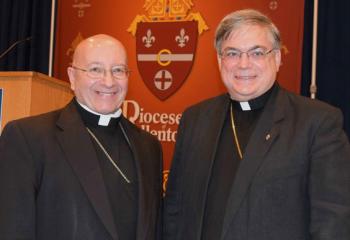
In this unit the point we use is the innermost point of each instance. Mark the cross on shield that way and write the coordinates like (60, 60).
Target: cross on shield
(163, 80)
(165, 54)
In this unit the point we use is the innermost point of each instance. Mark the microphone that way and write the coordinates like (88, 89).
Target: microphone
(14, 45)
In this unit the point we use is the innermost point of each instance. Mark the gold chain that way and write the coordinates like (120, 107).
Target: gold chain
(235, 134)
(107, 155)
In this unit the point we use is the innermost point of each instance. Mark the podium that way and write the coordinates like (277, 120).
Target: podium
(30, 93)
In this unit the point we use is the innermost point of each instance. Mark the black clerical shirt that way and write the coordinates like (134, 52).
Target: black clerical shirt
(123, 196)
(227, 162)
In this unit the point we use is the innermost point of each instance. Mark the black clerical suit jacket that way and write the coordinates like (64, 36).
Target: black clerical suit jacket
(51, 183)
(293, 182)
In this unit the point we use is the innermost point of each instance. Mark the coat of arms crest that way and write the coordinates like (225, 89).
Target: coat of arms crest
(166, 42)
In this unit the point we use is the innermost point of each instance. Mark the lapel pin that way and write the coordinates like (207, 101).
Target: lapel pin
(267, 136)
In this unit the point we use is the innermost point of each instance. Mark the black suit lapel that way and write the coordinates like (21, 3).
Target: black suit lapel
(207, 138)
(265, 133)
(145, 194)
(80, 153)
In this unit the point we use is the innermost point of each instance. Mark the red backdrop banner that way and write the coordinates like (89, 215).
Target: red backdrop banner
(171, 53)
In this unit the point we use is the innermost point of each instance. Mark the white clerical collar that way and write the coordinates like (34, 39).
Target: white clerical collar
(245, 106)
(104, 118)
(253, 104)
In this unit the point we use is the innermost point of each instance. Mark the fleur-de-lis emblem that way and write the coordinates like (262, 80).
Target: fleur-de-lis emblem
(148, 39)
(182, 39)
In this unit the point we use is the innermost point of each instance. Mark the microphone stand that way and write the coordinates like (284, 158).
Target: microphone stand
(14, 45)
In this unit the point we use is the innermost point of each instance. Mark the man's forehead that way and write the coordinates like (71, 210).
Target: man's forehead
(248, 30)
(100, 54)
(249, 36)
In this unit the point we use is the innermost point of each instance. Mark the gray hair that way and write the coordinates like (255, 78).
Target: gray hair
(244, 17)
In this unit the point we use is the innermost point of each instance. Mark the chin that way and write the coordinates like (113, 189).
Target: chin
(106, 110)
(105, 107)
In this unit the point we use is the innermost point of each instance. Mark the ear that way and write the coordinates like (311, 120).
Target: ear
(219, 59)
(71, 77)
(278, 58)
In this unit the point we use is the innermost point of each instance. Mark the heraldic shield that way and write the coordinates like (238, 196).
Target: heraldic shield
(165, 54)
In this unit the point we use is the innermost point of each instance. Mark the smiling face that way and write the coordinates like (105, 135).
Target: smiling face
(247, 78)
(105, 94)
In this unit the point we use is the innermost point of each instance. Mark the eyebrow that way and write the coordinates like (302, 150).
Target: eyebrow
(94, 63)
(252, 48)
(120, 65)
(102, 65)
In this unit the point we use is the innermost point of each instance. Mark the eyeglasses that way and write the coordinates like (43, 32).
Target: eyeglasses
(119, 72)
(255, 55)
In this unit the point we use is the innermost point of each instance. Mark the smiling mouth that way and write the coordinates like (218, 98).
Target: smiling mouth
(245, 77)
(106, 93)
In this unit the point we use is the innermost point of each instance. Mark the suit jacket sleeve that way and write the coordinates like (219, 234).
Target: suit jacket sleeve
(329, 180)
(17, 184)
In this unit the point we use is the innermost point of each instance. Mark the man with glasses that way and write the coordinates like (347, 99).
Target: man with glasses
(259, 162)
(84, 171)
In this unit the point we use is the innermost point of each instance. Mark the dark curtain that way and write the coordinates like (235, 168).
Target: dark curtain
(333, 51)
(20, 19)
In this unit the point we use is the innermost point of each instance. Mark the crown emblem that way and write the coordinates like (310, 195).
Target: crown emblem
(168, 11)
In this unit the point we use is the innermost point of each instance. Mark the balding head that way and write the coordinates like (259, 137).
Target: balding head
(99, 73)
(96, 42)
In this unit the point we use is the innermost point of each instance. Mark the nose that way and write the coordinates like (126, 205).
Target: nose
(244, 60)
(108, 79)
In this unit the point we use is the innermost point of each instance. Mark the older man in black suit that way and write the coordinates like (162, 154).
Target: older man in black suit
(258, 163)
(82, 172)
